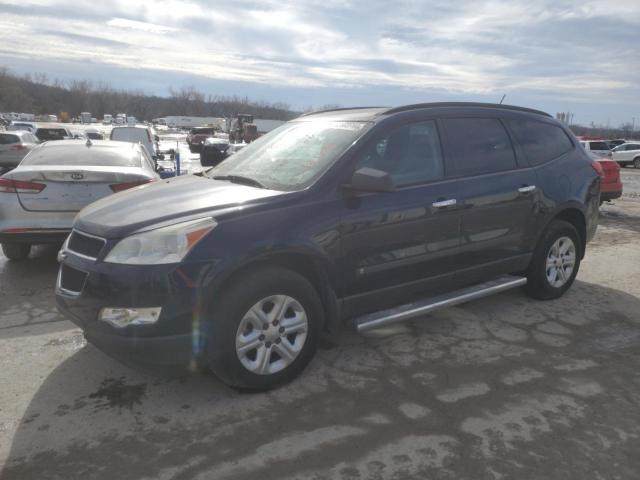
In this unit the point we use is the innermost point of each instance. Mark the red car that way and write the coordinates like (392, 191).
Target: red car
(611, 185)
(197, 136)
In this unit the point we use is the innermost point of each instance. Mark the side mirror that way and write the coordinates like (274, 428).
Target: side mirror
(371, 180)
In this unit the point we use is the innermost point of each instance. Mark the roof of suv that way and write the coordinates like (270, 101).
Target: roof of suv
(370, 113)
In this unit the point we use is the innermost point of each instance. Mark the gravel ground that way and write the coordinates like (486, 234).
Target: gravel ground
(503, 387)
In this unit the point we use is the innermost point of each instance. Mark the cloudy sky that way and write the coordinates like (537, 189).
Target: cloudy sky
(557, 55)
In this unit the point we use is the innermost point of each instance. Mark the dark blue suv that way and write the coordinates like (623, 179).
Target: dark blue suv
(360, 216)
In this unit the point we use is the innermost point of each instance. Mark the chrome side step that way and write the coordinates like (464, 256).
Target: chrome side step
(410, 310)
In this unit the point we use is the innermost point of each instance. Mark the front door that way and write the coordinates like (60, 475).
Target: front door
(398, 244)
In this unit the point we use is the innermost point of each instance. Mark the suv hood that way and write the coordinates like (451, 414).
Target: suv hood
(119, 215)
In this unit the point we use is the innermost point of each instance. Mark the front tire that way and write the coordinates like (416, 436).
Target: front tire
(636, 162)
(16, 251)
(555, 261)
(263, 329)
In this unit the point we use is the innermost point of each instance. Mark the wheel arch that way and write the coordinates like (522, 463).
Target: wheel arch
(575, 217)
(311, 266)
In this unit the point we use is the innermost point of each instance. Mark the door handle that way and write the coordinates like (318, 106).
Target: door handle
(527, 188)
(444, 203)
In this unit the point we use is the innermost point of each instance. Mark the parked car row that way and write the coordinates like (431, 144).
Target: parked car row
(623, 152)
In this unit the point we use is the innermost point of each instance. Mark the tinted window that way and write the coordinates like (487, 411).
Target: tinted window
(633, 146)
(479, 145)
(598, 146)
(45, 134)
(410, 154)
(51, 154)
(540, 142)
(6, 139)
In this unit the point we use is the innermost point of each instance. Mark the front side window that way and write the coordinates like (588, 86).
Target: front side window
(540, 142)
(292, 156)
(411, 154)
(479, 145)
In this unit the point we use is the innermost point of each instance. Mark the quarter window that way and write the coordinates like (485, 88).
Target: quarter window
(478, 145)
(411, 154)
(540, 142)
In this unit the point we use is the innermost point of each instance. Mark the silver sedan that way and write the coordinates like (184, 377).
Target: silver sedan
(40, 198)
(14, 145)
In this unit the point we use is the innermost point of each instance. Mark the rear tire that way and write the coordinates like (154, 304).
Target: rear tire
(253, 351)
(555, 261)
(16, 251)
(636, 162)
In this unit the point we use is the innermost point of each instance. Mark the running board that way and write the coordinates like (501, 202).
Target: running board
(410, 310)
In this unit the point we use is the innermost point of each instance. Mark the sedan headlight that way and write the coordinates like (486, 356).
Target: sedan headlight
(162, 245)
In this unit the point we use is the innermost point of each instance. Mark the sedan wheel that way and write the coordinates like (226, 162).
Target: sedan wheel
(271, 334)
(636, 163)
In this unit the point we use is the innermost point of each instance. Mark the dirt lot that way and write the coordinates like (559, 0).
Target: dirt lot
(504, 387)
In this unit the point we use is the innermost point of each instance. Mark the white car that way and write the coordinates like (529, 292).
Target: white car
(627, 154)
(14, 145)
(41, 197)
(137, 134)
(20, 125)
(599, 147)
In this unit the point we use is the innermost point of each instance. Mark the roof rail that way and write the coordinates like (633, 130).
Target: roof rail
(336, 110)
(418, 106)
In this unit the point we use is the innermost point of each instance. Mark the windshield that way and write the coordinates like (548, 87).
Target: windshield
(292, 156)
(82, 156)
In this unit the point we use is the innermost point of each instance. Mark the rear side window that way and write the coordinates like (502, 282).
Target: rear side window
(633, 146)
(410, 154)
(6, 139)
(478, 145)
(46, 134)
(539, 141)
(82, 155)
(598, 146)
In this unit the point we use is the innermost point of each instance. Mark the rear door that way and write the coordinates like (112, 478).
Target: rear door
(497, 196)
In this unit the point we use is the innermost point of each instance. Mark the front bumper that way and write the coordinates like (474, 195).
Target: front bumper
(34, 236)
(174, 340)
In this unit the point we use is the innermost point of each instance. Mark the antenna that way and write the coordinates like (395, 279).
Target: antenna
(502, 99)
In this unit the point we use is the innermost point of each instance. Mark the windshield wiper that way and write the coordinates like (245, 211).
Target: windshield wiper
(240, 179)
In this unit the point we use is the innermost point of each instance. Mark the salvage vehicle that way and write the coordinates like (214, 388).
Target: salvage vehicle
(137, 134)
(14, 146)
(197, 137)
(214, 150)
(40, 198)
(627, 154)
(46, 134)
(611, 183)
(360, 217)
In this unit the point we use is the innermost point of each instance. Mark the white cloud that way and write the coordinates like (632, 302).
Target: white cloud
(582, 47)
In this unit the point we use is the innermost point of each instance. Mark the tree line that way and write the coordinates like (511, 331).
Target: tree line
(40, 95)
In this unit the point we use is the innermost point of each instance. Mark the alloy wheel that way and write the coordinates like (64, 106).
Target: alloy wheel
(561, 261)
(271, 334)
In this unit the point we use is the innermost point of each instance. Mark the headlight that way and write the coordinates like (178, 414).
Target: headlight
(162, 245)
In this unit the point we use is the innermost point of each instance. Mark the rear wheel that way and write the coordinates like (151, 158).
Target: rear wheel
(264, 329)
(16, 251)
(636, 162)
(555, 262)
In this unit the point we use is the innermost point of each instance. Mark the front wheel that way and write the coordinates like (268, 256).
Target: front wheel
(16, 251)
(636, 163)
(264, 329)
(555, 262)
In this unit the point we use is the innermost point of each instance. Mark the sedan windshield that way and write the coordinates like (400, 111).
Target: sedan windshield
(292, 156)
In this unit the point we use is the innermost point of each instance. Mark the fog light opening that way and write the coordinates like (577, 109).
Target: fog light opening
(123, 317)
